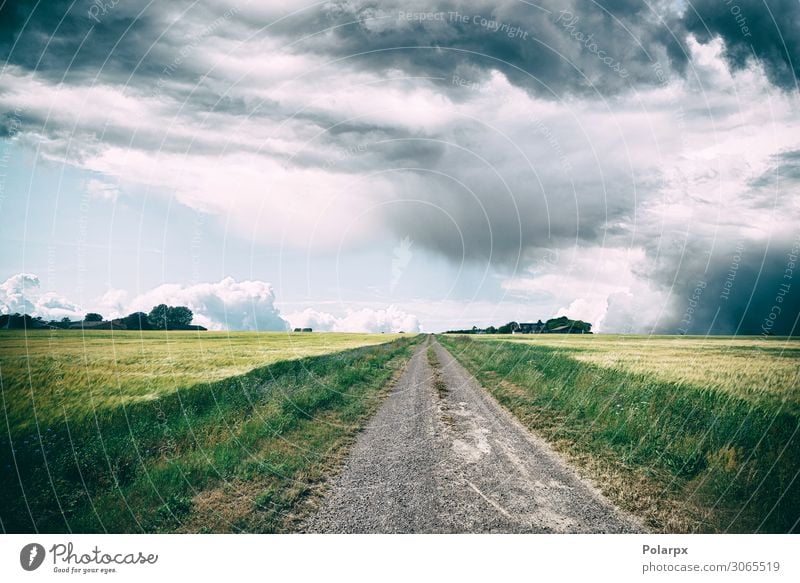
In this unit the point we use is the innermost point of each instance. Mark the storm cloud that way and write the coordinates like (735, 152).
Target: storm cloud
(490, 134)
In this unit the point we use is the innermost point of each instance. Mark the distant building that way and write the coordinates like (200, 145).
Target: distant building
(102, 325)
(561, 325)
(529, 328)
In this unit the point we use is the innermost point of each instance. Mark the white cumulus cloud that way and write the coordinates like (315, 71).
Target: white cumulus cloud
(224, 305)
(21, 294)
(392, 319)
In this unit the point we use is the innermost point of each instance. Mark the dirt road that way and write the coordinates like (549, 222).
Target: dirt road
(445, 457)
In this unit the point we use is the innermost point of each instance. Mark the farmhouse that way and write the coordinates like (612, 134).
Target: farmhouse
(529, 328)
(117, 324)
(561, 325)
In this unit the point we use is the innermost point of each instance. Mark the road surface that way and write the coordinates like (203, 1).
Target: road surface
(451, 460)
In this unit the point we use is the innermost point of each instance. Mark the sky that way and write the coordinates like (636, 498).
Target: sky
(381, 166)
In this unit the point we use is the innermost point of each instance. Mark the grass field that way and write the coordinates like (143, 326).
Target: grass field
(51, 375)
(691, 434)
(130, 439)
(750, 367)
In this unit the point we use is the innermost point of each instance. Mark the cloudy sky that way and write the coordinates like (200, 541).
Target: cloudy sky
(384, 165)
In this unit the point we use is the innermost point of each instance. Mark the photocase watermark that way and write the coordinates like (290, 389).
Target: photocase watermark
(341, 154)
(489, 24)
(168, 446)
(401, 257)
(13, 125)
(466, 83)
(739, 17)
(195, 245)
(476, 19)
(188, 49)
(66, 559)
(694, 301)
(730, 277)
(568, 21)
(82, 242)
(783, 288)
(677, 107)
(543, 129)
(31, 556)
(100, 8)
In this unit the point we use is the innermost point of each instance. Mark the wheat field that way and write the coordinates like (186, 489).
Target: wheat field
(69, 374)
(746, 366)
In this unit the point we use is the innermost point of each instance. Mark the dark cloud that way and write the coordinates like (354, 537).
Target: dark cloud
(466, 209)
(784, 171)
(59, 39)
(752, 29)
(549, 49)
(746, 287)
(452, 202)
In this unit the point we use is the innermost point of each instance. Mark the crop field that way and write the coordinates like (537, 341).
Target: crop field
(691, 434)
(51, 375)
(211, 432)
(751, 367)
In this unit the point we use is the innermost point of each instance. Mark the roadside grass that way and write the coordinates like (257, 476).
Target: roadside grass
(49, 375)
(242, 453)
(684, 456)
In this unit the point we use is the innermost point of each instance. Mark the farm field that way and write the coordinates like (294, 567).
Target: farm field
(691, 434)
(751, 367)
(50, 375)
(196, 433)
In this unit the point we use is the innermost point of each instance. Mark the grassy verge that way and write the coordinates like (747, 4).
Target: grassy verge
(686, 458)
(238, 454)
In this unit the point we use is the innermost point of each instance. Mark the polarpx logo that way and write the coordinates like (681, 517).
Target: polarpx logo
(31, 556)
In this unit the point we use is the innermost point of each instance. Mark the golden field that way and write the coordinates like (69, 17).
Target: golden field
(71, 373)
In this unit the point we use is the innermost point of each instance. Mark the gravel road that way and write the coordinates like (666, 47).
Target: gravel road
(435, 460)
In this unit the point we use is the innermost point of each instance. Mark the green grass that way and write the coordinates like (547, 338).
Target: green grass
(242, 453)
(748, 366)
(51, 375)
(688, 450)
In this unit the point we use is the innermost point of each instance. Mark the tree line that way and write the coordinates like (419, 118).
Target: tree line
(161, 317)
(560, 325)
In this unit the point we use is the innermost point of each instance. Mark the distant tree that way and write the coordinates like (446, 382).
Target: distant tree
(157, 318)
(93, 317)
(491, 330)
(136, 321)
(164, 317)
(509, 328)
(179, 316)
(65, 320)
(575, 326)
